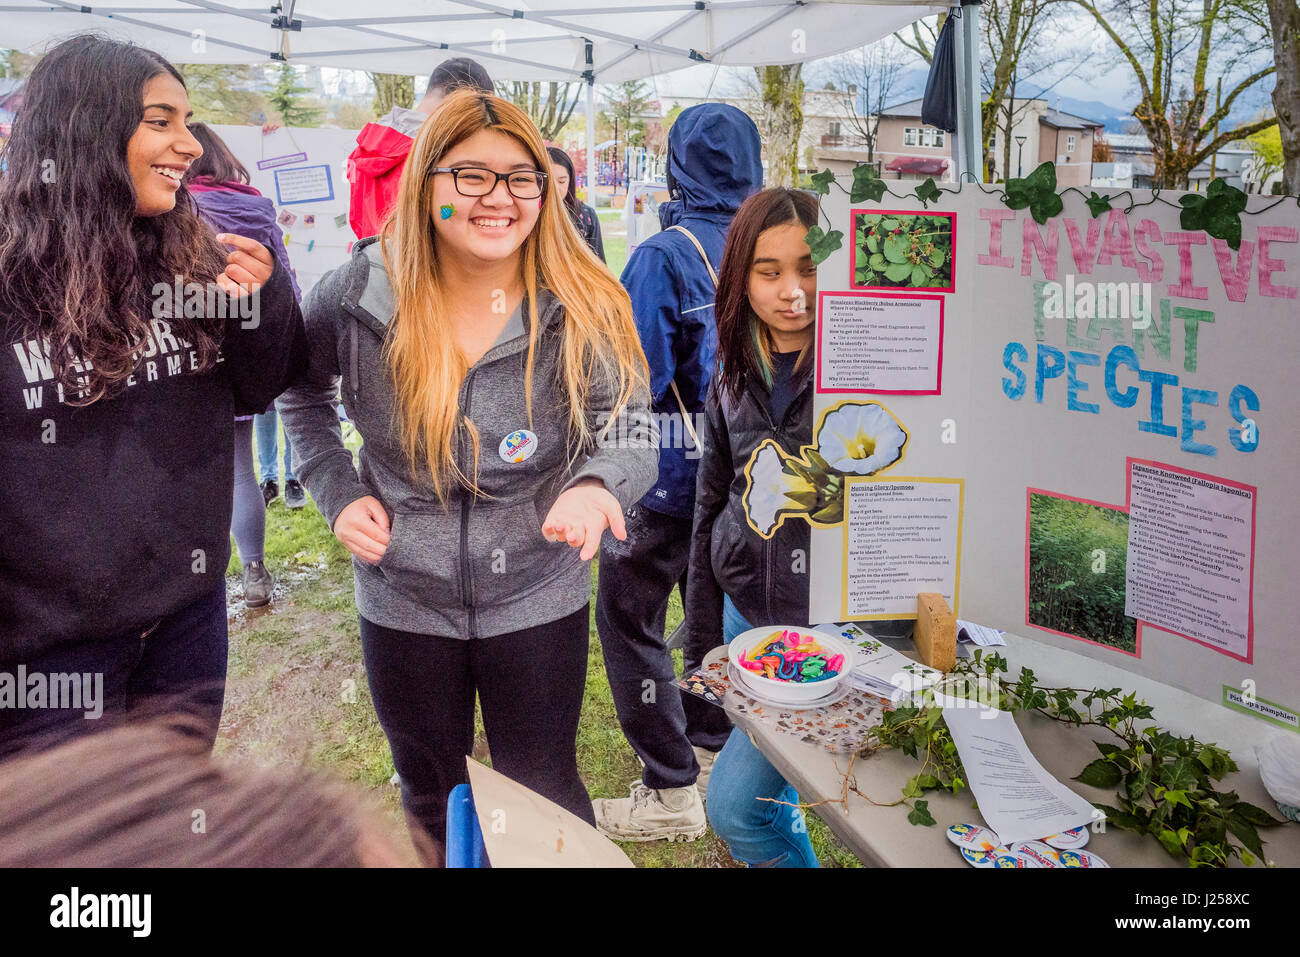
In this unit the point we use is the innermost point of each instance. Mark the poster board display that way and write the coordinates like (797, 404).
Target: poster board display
(1117, 402)
(304, 172)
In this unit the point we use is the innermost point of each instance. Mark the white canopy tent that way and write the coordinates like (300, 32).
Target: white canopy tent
(596, 41)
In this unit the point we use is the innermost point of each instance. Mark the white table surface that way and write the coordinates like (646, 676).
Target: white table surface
(882, 836)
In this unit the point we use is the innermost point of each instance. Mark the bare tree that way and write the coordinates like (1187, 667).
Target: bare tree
(1284, 16)
(548, 104)
(923, 35)
(781, 93)
(1167, 45)
(392, 89)
(1021, 39)
(869, 75)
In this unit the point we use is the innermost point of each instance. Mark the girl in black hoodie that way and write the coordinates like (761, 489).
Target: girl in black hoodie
(748, 570)
(130, 336)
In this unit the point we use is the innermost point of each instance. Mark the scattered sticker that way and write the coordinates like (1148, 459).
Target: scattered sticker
(974, 836)
(1011, 860)
(1075, 837)
(982, 858)
(518, 445)
(1037, 854)
(1081, 859)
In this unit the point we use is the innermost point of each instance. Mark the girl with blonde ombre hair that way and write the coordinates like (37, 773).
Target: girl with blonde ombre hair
(492, 367)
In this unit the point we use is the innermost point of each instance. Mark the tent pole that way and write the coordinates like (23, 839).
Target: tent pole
(591, 142)
(969, 154)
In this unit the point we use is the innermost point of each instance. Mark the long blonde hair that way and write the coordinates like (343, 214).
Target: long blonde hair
(599, 338)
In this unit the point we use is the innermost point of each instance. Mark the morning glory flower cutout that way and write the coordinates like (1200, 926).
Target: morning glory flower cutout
(765, 492)
(860, 438)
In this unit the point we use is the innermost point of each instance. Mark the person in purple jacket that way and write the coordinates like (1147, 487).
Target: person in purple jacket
(219, 184)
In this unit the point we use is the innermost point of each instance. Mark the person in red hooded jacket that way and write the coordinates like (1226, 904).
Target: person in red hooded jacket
(375, 166)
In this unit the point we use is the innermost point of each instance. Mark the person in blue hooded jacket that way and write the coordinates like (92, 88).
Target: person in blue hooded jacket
(714, 165)
(219, 184)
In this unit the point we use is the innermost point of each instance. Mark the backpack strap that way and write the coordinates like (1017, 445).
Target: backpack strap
(686, 416)
(700, 249)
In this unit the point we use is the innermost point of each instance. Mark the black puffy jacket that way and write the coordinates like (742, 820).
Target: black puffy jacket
(767, 579)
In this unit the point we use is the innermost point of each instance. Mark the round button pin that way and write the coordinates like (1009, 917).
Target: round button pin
(518, 446)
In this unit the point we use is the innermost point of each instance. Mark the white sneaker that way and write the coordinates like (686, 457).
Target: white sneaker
(704, 758)
(670, 814)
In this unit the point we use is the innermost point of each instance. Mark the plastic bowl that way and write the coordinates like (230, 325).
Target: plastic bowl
(793, 692)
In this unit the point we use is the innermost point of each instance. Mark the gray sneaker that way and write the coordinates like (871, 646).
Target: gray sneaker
(672, 814)
(294, 496)
(258, 583)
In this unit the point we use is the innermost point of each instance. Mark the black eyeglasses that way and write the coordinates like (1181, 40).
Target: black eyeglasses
(476, 181)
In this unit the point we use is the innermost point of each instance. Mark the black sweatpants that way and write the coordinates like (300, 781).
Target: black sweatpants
(530, 685)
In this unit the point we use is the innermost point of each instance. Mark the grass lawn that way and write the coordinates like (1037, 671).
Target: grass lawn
(297, 692)
(614, 238)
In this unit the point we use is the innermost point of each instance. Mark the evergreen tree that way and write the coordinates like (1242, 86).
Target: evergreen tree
(286, 99)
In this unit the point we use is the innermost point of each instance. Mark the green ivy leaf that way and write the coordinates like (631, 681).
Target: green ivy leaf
(928, 193)
(822, 244)
(821, 182)
(1100, 774)
(1218, 212)
(1245, 832)
(1037, 191)
(1257, 816)
(866, 185)
(920, 814)
(1097, 204)
(1169, 840)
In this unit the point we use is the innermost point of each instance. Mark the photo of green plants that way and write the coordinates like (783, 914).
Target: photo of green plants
(1077, 554)
(903, 250)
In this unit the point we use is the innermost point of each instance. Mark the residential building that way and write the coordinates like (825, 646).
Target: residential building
(1050, 136)
(1134, 167)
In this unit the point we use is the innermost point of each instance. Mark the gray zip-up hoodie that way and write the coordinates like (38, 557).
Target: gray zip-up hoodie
(481, 566)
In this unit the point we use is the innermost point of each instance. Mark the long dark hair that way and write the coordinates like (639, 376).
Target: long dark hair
(571, 197)
(77, 265)
(744, 345)
(217, 161)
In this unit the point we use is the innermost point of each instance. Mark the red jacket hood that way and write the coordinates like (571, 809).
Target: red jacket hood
(380, 149)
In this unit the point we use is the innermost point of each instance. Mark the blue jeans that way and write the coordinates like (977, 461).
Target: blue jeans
(758, 833)
(266, 428)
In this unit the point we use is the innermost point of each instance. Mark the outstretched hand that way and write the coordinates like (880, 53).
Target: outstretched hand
(580, 516)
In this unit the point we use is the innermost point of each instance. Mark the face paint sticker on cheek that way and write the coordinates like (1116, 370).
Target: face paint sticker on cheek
(800, 301)
(447, 211)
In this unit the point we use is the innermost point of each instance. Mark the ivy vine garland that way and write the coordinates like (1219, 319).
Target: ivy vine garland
(1218, 211)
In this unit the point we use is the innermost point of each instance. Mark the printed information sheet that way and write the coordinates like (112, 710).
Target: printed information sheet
(871, 343)
(1190, 547)
(1018, 798)
(902, 536)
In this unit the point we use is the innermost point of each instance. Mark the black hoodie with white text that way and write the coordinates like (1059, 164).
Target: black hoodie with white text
(117, 514)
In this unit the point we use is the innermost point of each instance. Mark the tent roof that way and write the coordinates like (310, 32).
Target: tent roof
(521, 40)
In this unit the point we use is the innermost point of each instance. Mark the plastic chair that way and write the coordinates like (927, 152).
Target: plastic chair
(464, 838)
